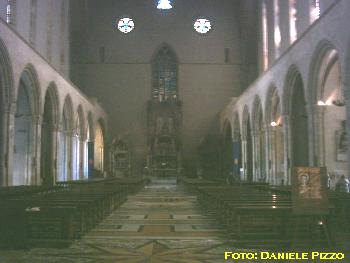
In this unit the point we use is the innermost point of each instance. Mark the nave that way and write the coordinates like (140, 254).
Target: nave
(185, 220)
(161, 223)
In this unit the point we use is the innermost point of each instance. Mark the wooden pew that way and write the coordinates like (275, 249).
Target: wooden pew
(58, 215)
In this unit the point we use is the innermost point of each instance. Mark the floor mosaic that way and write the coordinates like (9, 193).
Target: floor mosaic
(161, 223)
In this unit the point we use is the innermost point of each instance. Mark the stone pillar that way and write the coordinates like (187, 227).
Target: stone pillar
(55, 152)
(256, 157)
(270, 162)
(287, 139)
(244, 159)
(9, 128)
(36, 177)
(82, 140)
(69, 152)
(318, 147)
(3, 148)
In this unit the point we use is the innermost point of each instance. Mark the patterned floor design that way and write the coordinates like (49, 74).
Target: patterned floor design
(159, 224)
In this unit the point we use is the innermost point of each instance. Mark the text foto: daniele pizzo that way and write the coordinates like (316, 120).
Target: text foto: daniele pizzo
(265, 255)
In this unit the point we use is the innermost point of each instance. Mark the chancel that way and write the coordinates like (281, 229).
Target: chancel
(174, 130)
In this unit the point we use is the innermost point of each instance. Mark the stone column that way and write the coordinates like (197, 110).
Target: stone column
(69, 137)
(9, 120)
(256, 157)
(55, 152)
(287, 139)
(36, 177)
(270, 162)
(244, 159)
(81, 140)
(318, 148)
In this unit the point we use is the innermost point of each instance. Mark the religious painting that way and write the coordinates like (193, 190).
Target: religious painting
(341, 143)
(309, 194)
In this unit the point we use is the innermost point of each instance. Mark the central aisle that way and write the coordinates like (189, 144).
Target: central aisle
(161, 223)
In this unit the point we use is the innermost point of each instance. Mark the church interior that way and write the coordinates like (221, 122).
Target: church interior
(174, 130)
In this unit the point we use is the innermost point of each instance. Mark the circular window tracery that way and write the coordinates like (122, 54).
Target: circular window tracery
(202, 25)
(125, 25)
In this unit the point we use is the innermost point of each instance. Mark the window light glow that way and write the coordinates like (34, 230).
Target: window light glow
(277, 33)
(8, 13)
(164, 5)
(293, 21)
(202, 25)
(265, 50)
(321, 103)
(315, 11)
(126, 25)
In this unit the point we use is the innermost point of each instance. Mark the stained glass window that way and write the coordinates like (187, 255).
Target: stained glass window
(125, 25)
(164, 4)
(202, 25)
(165, 75)
(9, 9)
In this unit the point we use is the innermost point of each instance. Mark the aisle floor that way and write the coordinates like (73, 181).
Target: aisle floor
(161, 223)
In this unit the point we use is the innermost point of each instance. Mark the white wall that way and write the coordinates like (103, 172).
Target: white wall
(46, 9)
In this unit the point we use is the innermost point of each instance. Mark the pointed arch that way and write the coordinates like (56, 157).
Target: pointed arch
(50, 119)
(164, 74)
(246, 120)
(65, 139)
(247, 145)
(272, 105)
(25, 136)
(52, 93)
(329, 120)
(78, 145)
(323, 59)
(6, 97)
(293, 75)
(67, 113)
(257, 114)
(294, 102)
(275, 144)
(6, 77)
(80, 124)
(259, 141)
(29, 80)
(99, 152)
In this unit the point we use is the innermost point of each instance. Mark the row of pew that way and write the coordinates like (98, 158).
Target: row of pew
(259, 215)
(249, 214)
(37, 216)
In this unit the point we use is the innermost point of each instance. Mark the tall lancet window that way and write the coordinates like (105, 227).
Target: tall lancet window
(164, 75)
(10, 8)
(277, 33)
(293, 21)
(265, 50)
(315, 10)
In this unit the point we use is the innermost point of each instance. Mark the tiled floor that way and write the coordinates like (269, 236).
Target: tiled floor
(159, 224)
